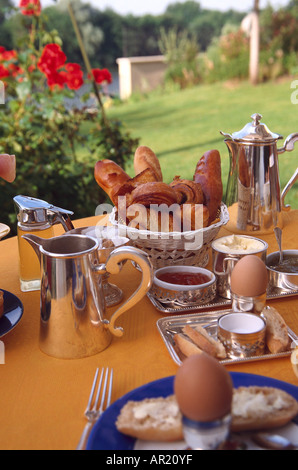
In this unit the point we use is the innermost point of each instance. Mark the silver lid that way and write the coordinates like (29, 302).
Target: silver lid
(254, 132)
(32, 211)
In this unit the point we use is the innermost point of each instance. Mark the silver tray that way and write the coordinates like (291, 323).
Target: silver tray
(172, 307)
(169, 326)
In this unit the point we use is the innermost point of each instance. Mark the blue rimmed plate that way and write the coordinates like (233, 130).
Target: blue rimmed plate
(105, 436)
(13, 312)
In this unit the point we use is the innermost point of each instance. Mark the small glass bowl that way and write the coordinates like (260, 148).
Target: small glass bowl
(242, 334)
(184, 295)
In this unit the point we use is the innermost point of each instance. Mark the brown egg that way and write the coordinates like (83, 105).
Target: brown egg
(203, 388)
(249, 277)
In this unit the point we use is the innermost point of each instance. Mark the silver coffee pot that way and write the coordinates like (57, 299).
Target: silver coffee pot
(253, 188)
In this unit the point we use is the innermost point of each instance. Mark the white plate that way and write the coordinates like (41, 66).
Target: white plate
(4, 230)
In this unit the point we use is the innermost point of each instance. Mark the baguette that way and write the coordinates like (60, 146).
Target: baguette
(151, 419)
(255, 408)
(208, 175)
(277, 338)
(110, 177)
(145, 158)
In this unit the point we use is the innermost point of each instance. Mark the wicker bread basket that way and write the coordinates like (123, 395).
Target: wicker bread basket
(174, 248)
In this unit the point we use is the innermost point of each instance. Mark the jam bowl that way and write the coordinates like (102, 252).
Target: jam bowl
(183, 285)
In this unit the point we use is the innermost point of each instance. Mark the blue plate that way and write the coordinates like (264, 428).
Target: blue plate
(13, 312)
(104, 435)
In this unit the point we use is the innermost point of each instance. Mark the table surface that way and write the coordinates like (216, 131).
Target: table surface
(43, 398)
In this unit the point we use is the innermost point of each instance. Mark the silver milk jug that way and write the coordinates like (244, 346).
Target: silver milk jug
(73, 321)
(253, 189)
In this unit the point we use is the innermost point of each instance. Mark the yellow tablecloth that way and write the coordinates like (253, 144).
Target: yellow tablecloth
(43, 398)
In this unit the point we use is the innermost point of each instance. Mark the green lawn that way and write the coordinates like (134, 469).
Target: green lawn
(180, 126)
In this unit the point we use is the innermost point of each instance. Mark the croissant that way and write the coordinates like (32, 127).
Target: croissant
(137, 216)
(154, 193)
(208, 175)
(146, 176)
(146, 158)
(194, 216)
(187, 191)
(160, 219)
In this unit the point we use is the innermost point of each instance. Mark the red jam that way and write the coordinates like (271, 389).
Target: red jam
(184, 278)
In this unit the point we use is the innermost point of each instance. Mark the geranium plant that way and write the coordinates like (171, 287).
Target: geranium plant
(44, 133)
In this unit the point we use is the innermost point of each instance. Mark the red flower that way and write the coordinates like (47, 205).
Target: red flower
(74, 76)
(56, 78)
(102, 75)
(7, 55)
(4, 73)
(15, 70)
(51, 62)
(52, 58)
(30, 7)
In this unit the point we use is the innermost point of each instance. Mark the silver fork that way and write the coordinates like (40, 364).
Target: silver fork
(92, 413)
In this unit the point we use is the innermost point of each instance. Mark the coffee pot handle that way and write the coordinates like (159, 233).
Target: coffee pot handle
(113, 266)
(287, 188)
(289, 143)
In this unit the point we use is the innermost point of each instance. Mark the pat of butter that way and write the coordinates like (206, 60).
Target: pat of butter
(247, 405)
(238, 244)
(157, 411)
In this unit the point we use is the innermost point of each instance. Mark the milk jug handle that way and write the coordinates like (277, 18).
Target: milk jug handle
(113, 266)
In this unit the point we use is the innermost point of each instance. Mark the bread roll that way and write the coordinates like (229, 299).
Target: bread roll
(208, 175)
(146, 158)
(110, 177)
(152, 419)
(277, 337)
(255, 408)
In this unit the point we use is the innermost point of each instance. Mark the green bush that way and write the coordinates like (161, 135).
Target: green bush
(44, 134)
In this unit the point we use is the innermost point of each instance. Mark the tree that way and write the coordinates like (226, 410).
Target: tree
(6, 7)
(254, 44)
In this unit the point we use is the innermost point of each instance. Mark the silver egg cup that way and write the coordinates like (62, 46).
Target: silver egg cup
(208, 435)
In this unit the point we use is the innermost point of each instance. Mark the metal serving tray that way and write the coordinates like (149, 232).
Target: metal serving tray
(172, 307)
(169, 326)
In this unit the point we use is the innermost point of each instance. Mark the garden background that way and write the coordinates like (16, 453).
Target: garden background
(206, 90)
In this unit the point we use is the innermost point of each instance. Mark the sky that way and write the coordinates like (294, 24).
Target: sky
(155, 7)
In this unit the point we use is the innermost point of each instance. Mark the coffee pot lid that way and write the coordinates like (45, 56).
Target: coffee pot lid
(254, 131)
